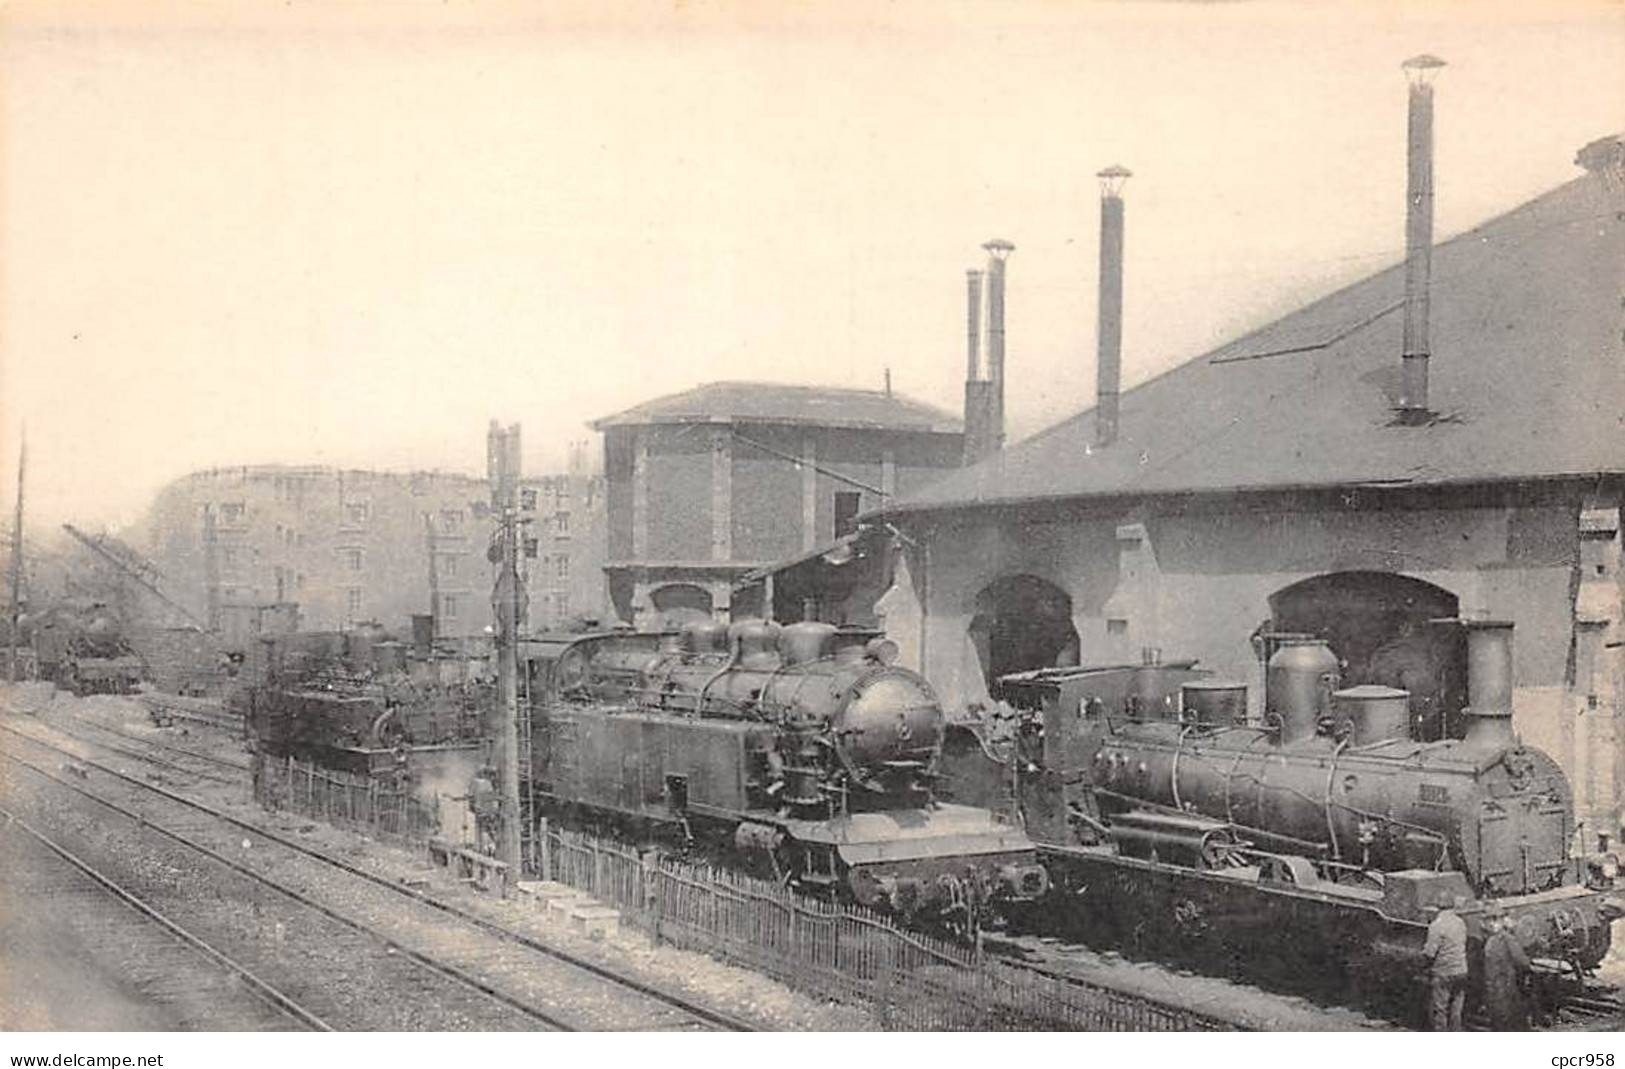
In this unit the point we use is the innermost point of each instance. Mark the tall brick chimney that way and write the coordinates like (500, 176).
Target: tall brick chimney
(1413, 388)
(1109, 309)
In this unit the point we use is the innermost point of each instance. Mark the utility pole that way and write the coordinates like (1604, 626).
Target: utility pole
(17, 564)
(502, 461)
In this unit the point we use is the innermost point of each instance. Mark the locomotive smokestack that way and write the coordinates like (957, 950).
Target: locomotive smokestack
(1489, 684)
(997, 251)
(1413, 390)
(1109, 310)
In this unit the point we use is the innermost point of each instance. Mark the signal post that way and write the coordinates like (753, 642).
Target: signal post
(502, 459)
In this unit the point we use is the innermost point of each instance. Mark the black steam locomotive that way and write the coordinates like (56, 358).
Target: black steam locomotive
(1307, 848)
(357, 700)
(83, 647)
(797, 752)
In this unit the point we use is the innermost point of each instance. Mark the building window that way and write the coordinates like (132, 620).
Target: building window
(353, 559)
(561, 525)
(352, 602)
(451, 521)
(231, 512)
(847, 504)
(561, 566)
(356, 513)
(299, 581)
(448, 566)
(448, 606)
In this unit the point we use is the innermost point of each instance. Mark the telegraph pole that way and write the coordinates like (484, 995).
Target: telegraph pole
(17, 563)
(502, 460)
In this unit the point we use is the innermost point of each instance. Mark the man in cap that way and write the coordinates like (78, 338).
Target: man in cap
(485, 800)
(1446, 955)
(1505, 965)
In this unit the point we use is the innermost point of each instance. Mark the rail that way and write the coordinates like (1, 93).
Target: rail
(702, 1013)
(259, 987)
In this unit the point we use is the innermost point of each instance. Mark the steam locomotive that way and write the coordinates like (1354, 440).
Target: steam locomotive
(796, 752)
(1308, 848)
(83, 648)
(356, 700)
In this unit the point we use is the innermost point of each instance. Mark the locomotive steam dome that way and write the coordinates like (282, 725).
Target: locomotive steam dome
(890, 723)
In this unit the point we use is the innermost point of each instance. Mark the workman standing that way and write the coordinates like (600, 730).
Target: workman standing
(1446, 955)
(486, 802)
(1505, 965)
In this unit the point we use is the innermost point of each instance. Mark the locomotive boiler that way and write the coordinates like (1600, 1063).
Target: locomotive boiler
(1309, 846)
(358, 701)
(83, 647)
(798, 752)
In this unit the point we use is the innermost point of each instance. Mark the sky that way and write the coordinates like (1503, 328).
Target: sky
(351, 233)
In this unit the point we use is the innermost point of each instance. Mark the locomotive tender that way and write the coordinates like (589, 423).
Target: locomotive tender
(796, 751)
(1310, 846)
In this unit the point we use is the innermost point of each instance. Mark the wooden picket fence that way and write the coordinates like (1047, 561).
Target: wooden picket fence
(344, 798)
(912, 981)
(915, 982)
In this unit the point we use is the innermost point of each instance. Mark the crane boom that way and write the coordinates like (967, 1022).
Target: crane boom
(95, 546)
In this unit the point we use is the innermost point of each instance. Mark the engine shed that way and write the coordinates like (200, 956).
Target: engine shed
(1278, 484)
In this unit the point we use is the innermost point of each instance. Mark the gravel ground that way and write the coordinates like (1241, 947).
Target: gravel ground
(78, 958)
(746, 994)
(336, 973)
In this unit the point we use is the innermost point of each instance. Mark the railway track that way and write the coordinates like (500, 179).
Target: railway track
(203, 711)
(215, 764)
(1591, 1007)
(506, 966)
(176, 967)
(1241, 1005)
(1594, 1007)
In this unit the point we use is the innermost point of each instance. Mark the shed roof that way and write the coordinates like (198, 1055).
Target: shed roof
(1527, 381)
(768, 402)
